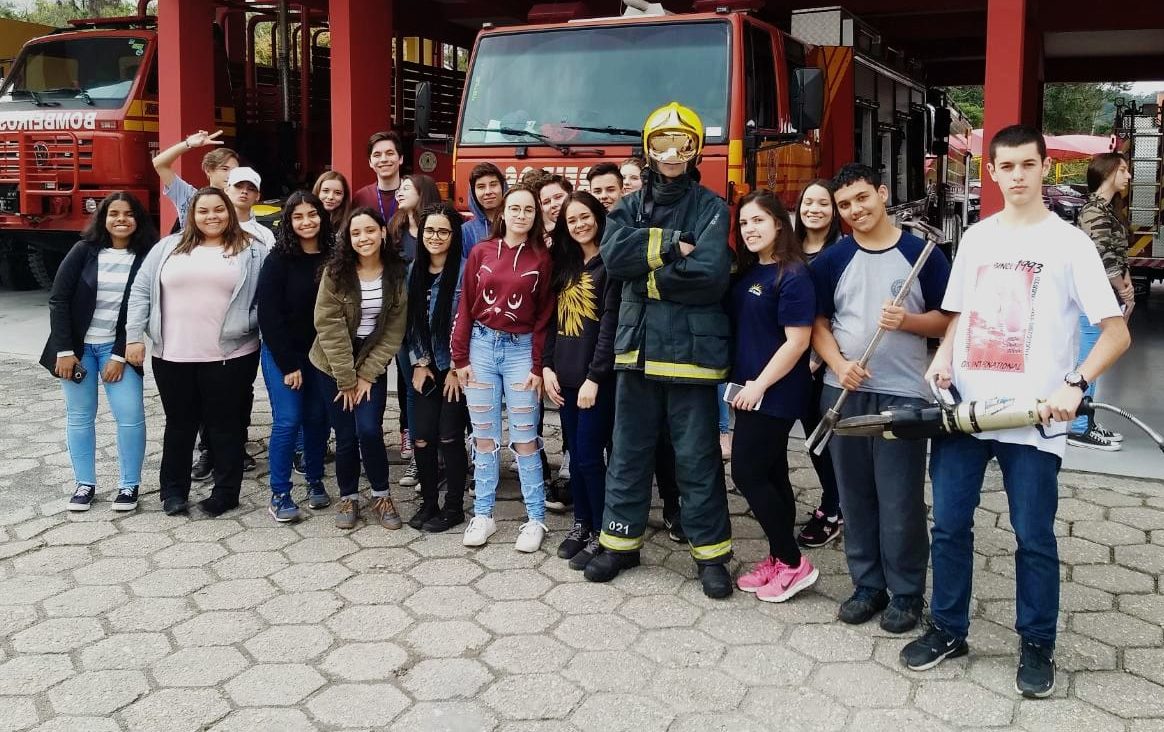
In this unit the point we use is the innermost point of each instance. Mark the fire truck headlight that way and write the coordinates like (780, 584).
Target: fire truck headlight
(90, 205)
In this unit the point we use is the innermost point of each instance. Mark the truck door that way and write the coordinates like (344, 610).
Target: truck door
(761, 106)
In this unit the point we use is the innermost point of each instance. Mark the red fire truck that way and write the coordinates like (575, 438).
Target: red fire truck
(779, 109)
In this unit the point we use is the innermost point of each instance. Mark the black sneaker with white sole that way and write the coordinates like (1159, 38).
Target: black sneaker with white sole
(1092, 439)
(203, 467)
(126, 498)
(249, 463)
(82, 498)
(1036, 670)
(298, 463)
(935, 646)
(1112, 435)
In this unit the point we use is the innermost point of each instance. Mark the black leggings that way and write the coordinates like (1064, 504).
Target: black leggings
(830, 496)
(760, 471)
(440, 425)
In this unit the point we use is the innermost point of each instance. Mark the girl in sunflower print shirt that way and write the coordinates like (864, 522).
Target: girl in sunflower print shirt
(578, 363)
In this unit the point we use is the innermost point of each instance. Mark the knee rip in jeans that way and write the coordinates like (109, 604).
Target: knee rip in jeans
(478, 386)
(484, 444)
(515, 447)
(420, 444)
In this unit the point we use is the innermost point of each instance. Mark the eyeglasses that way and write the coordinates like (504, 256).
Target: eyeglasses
(438, 234)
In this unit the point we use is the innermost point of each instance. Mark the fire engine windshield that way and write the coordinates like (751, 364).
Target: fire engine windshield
(594, 85)
(75, 73)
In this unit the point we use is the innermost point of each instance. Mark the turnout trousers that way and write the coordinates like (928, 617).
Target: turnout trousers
(643, 409)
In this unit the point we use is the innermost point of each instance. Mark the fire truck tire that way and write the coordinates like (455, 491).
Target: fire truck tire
(15, 274)
(43, 265)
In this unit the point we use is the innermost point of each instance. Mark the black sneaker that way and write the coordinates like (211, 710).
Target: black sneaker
(674, 528)
(82, 498)
(606, 566)
(819, 530)
(582, 559)
(423, 515)
(203, 467)
(716, 580)
(558, 496)
(249, 464)
(298, 464)
(575, 541)
(443, 521)
(126, 499)
(1036, 671)
(1107, 434)
(216, 505)
(174, 505)
(317, 496)
(935, 646)
(903, 614)
(863, 605)
(1094, 440)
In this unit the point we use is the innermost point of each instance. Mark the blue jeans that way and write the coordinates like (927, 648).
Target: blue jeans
(359, 436)
(127, 406)
(1031, 479)
(1088, 335)
(295, 414)
(501, 363)
(588, 431)
(725, 415)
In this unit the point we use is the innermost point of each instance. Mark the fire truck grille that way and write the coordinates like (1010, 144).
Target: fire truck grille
(48, 160)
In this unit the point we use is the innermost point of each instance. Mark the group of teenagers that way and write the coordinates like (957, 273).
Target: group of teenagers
(626, 307)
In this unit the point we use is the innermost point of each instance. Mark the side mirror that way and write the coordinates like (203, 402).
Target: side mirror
(422, 109)
(808, 99)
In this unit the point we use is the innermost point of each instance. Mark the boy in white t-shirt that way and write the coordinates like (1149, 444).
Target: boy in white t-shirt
(1019, 283)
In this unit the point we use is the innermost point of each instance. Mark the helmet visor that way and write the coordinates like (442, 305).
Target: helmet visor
(672, 147)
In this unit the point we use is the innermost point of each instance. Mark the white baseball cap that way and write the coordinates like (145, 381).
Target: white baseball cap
(241, 174)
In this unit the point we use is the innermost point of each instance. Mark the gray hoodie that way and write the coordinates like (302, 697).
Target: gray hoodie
(144, 318)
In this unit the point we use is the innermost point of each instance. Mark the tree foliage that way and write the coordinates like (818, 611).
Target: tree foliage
(59, 12)
(1087, 109)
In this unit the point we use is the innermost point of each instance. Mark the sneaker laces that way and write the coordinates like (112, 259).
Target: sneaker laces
(1035, 656)
(477, 523)
(532, 523)
(127, 490)
(383, 505)
(578, 532)
(84, 490)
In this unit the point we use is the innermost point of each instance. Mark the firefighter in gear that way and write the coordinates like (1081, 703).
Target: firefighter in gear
(668, 244)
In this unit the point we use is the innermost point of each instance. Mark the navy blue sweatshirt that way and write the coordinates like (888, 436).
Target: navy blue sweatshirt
(286, 296)
(580, 339)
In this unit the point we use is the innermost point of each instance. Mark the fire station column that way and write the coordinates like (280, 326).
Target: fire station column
(1014, 76)
(186, 91)
(361, 81)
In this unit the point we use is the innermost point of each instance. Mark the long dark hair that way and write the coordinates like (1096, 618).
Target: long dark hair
(1101, 167)
(566, 252)
(787, 250)
(834, 231)
(537, 232)
(340, 215)
(442, 317)
(344, 261)
(427, 191)
(140, 240)
(287, 241)
(234, 240)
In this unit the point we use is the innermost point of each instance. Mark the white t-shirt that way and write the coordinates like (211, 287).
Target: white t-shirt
(1020, 292)
(258, 231)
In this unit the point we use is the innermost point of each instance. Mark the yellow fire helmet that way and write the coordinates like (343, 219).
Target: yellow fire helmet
(673, 134)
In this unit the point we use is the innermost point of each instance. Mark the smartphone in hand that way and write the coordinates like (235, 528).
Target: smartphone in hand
(732, 390)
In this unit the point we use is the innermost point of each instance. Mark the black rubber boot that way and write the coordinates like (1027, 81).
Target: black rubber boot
(717, 582)
(607, 565)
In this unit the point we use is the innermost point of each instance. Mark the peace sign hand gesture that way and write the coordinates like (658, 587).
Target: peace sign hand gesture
(202, 138)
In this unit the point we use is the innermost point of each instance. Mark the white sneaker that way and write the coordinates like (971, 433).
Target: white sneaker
(479, 530)
(529, 536)
(564, 470)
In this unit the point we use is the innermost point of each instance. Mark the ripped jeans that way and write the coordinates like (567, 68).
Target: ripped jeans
(501, 363)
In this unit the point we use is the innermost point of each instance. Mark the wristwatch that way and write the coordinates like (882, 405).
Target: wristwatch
(1074, 378)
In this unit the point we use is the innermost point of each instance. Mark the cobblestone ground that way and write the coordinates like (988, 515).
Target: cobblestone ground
(145, 622)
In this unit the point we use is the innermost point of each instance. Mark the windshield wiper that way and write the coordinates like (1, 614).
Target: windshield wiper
(516, 131)
(79, 91)
(85, 95)
(37, 99)
(608, 130)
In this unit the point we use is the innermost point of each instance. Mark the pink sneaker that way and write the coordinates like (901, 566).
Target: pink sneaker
(789, 581)
(761, 574)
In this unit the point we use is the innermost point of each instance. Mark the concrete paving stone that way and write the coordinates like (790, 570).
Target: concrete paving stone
(450, 571)
(300, 607)
(957, 700)
(689, 690)
(448, 544)
(52, 560)
(1146, 662)
(1108, 533)
(679, 648)
(27, 590)
(1145, 607)
(216, 530)
(1113, 579)
(1079, 598)
(78, 724)
(238, 594)
(273, 684)
(381, 561)
(528, 696)
(1142, 518)
(665, 611)
(518, 616)
(365, 661)
(585, 598)
(1113, 499)
(84, 601)
(863, 684)
(596, 632)
(741, 626)
(151, 613)
(369, 622)
(991, 586)
(15, 618)
(249, 565)
(290, 643)
(526, 654)
(650, 581)
(188, 554)
(1074, 652)
(1146, 725)
(266, 719)
(445, 602)
(446, 716)
(1122, 694)
(125, 650)
(609, 671)
(82, 534)
(261, 540)
(559, 572)
(831, 643)
(176, 710)
(57, 635)
(217, 628)
(1075, 509)
(997, 674)
(320, 550)
(371, 535)
(170, 582)
(377, 589)
(635, 714)
(1075, 550)
(766, 665)
(1156, 537)
(1117, 629)
(446, 638)
(1145, 558)
(97, 692)
(717, 722)
(111, 570)
(355, 705)
(807, 608)
(514, 584)
(445, 678)
(152, 521)
(311, 577)
(205, 666)
(17, 713)
(797, 708)
(33, 674)
(35, 527)
(502, 556)
(1055, 715)
(894, 720)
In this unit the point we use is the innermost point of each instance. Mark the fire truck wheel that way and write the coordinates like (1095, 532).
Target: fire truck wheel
(43, 265)
(15, 274)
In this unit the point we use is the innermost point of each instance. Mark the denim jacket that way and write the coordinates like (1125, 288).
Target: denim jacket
(415, 350)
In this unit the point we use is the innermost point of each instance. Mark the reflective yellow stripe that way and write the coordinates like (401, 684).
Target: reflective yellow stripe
(622, 543)
(709, 551)
(630, 357)
(655, 248)
(652, 288)
(683, 370)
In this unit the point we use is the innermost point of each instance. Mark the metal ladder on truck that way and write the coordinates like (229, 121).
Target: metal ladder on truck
(1138, 129)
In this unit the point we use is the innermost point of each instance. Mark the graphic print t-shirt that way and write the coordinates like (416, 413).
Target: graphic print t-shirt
(1020, 292)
